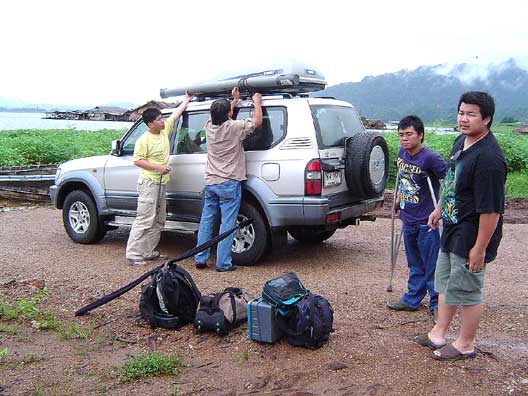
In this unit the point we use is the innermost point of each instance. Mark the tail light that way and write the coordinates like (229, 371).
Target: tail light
(313, 178)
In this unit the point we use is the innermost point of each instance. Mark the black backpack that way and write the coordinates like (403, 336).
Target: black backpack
(222, 311)
(310, 324)
(170, 299)
(283, 292)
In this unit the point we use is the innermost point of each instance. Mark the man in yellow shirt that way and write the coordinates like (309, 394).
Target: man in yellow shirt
(151, 154)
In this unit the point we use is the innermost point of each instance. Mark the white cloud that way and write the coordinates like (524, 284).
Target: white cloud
(92, 52)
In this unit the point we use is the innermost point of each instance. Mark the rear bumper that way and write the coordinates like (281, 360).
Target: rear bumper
(310, 211)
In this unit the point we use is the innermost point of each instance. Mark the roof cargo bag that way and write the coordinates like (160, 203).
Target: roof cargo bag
(295, 80)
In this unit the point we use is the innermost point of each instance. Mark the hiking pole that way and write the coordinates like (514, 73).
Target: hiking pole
(433, 195)
(189, 253)
(158, 203)
(395, 240)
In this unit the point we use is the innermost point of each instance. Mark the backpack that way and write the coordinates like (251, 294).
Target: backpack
(283, 292)
(310, 324)
(170, 299)
(222, 311)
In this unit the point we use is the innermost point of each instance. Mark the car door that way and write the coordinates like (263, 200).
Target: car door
(187, 160)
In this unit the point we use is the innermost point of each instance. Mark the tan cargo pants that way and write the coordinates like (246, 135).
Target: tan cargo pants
(146, 230)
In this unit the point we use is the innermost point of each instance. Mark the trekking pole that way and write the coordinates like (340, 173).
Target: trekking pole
(395, 240)
(433, 195)
(158, 203)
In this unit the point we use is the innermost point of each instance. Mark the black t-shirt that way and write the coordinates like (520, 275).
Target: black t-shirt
(474, 184)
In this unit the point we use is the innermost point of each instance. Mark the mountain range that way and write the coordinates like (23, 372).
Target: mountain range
(432, 92)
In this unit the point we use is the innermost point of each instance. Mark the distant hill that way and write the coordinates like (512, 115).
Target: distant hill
(7, 104)
(432, 92)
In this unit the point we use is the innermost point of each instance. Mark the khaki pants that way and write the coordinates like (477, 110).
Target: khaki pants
(146, 230)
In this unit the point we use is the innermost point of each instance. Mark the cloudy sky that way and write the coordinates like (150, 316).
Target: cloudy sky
(95, 52)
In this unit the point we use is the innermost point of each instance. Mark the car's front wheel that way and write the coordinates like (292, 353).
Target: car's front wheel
(80, 218)
(249, 244)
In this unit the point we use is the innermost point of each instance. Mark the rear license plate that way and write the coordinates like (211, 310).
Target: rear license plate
(332, 179)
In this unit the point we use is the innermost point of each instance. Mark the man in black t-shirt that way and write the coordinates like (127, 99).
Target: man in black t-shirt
(471, 207)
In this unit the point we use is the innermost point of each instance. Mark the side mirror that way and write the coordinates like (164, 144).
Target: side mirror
(116, 148)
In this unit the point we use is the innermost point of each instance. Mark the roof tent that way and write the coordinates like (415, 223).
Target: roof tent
(276, 81)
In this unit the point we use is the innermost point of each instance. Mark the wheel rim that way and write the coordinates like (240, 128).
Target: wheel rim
(377, 165)
(79, 217)
(244, 237)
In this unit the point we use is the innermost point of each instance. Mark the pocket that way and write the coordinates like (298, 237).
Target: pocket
(462, 279)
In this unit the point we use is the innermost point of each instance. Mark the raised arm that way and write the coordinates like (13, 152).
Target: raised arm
(178, 111)
(257, 114)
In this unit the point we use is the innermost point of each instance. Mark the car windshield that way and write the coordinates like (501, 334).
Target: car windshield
(335, 123)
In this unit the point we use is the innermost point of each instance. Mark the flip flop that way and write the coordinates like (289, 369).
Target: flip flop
(450, 353)
(424, 340)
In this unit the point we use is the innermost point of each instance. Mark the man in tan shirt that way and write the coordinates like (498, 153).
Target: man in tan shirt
(224, 172)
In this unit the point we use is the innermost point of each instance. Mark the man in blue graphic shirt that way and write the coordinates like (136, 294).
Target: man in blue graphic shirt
(415, 204)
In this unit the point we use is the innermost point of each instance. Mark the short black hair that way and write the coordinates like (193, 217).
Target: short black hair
(220, 109)
(483, 100)
(412, 121)
(150, 115)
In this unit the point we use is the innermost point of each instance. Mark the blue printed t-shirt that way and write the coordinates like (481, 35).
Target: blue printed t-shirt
(416, 203)
(474, 184)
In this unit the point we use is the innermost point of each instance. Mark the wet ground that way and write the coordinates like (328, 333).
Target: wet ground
(371, 351)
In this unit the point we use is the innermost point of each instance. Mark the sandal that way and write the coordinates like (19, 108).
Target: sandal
(157, 256)
(450, 353)
(424, 340)
(137, 262)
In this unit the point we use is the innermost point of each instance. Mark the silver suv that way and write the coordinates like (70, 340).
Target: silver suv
(311, 169)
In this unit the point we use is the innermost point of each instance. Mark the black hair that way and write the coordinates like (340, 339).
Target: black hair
(220, 109)
(412, 121)
(483, 100)
(150, 115)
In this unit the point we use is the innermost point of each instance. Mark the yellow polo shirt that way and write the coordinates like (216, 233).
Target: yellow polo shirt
(154, 148)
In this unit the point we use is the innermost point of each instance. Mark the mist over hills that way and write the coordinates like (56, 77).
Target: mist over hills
(432, 92)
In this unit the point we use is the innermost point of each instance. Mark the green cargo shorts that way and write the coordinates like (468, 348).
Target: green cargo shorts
(456, 283)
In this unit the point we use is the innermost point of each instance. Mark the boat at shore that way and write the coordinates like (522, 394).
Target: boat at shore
(27, 183)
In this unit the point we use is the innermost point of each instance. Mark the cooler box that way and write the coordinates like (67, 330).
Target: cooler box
(262, 324)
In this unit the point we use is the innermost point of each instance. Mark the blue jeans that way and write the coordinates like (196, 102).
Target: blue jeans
(225, 196)
(421, 248)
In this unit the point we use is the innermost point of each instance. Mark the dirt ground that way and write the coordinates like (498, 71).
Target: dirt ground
(371, 351)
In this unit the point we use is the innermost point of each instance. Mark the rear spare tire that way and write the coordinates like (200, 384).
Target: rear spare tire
(366, 164)
(311, 235)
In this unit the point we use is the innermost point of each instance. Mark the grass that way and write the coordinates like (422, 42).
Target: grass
(29, 147)
(8, 329)
(29, 309)
(150, 365)
(74, 331)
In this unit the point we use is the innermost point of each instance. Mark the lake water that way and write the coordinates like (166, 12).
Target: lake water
(10, 121)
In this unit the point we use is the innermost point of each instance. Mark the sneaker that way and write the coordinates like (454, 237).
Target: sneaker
(200, 265)
(400, 306)
(226, 269)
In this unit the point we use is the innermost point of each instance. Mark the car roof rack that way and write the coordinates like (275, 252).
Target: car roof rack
(295, 82)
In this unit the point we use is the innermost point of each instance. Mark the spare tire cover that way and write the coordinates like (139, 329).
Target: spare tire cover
(366, 164)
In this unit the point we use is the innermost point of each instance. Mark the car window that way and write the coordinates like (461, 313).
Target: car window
(137, 130)
(272, 130)
(191, 133)
(335, 123)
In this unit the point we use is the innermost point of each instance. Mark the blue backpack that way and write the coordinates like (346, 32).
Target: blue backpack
(310, 323)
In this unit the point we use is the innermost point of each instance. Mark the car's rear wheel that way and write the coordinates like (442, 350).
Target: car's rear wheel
(366, 164)
(249, 244)
(311, 234)
(80, 218)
